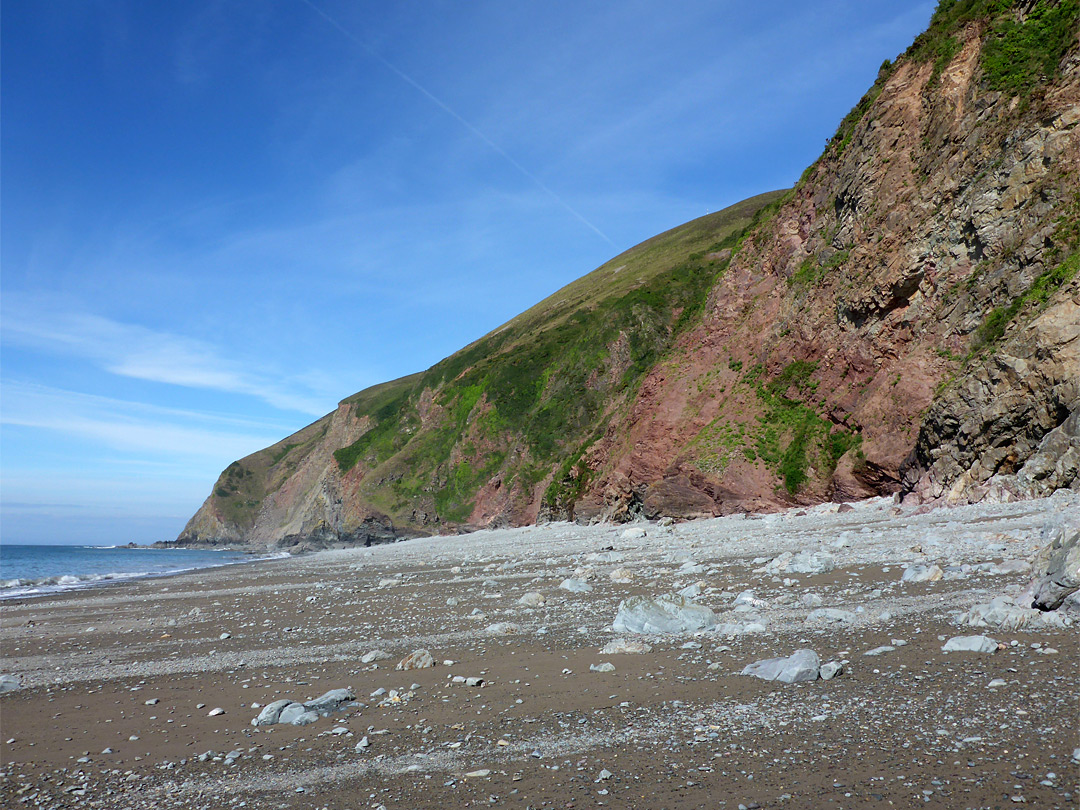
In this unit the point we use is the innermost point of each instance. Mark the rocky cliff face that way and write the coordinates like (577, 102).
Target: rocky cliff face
(905, 320)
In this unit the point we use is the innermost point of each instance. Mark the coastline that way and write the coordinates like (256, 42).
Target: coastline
(675, 727)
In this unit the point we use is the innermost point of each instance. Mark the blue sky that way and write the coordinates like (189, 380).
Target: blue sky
(220, 218)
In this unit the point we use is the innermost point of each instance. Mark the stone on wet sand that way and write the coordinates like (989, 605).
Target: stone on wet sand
(1003, 612)
(800, 666)
(532, 599)
(503, 629)
(271, 713)
(978, 644)
(417, 659)
(922, 573)
(332, 701)
(604, 667)
(297, 714)
(830, 670)
(663, 614)
(575, 585)
(831, 615)
(625, 646)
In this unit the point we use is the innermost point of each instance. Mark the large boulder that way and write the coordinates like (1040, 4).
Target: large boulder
(1057, 567)
(664, 614)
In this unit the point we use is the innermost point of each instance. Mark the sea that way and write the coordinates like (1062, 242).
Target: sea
(36, 570)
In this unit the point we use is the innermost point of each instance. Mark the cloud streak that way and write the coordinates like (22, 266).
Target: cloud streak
(133, 427)
(130, 350)
(446, 108)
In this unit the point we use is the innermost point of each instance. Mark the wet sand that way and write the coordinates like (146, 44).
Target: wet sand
(677, 727)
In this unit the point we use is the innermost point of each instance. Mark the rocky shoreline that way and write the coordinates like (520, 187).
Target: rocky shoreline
(898, 663)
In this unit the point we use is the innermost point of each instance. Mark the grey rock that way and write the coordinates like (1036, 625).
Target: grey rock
(831, 670)
(8, 683)
(800, 666)
(503, 629)
(374, 655)
(604, 667)
(297, 714)
(532, 599)
(818, 562)
(332, 701)
(1058, 567)
(922, 573)
(831, 615)
(1004, 613)
(978, 644)
(575, 585)
(270, 713)
(664, 614)
(886, 648)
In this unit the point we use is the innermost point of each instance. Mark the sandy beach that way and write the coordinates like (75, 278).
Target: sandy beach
(143, 694)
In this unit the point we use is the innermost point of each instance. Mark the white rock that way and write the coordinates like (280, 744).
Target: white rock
(622, 575)
(604, 667)
(575, 585)
(633, 533)
(532, 599)
(374, 655)
(831, 615)
(922, 573)
(664, 614)
(625, 646)
(978, 644)
(503, 629)
(887, 648)
(802, 665)
(216, 712)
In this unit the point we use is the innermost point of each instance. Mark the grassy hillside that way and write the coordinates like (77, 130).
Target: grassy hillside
(524, 401)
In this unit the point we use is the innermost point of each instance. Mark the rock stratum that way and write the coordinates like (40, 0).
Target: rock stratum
(906, 320)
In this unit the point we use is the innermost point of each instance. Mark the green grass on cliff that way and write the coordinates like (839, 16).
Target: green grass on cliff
(1021, 51)
(526, 400)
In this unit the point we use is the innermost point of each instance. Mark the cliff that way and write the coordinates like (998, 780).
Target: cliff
(904, 320)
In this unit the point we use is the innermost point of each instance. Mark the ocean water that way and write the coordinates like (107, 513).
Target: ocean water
(32, 570)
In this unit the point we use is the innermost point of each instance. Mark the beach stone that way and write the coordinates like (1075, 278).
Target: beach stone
(215, 712)
(633, 533)
(691, 591)
(800, 666)
(532, 599)
(664, 614)
(625, 646)
(886, 648)
(830, 670)
(297, 714)
(331, 701)
(270, 713)
(810, 600)
(374, 655)
(922, 573)
(9, 683)
(623, 576)
(818, 562)
(575, 585)
(732, 629)
(364, 743)
(978, 644)
(830, 615)
(604, 667)
(417, 659)
(1003, 612)
(503, 629)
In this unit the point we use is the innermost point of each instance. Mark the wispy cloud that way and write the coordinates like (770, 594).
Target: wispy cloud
(130, 350)
(133, 426)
